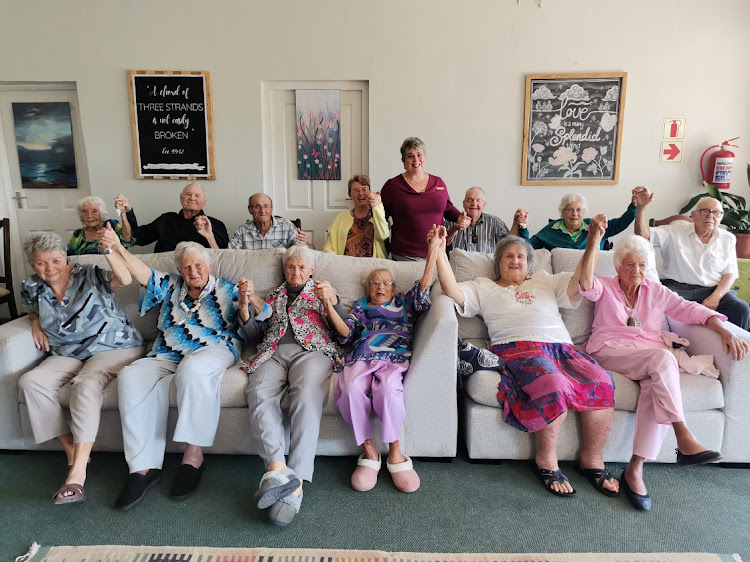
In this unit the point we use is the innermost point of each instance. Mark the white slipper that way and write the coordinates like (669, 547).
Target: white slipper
(405, 478)
(365, 476)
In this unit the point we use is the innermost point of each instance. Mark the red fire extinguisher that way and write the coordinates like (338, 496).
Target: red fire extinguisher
(719, 165)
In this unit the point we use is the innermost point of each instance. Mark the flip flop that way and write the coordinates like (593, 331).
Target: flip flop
(549, 477)
(78, 494)
(597, 477)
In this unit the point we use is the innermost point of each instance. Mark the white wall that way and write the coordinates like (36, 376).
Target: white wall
(449, 72)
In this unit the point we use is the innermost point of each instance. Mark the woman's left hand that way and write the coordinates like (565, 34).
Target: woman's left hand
(107, 238)
(374, 199)
(734, 345)
(325, 292)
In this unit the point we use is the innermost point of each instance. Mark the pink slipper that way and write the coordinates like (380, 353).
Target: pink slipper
(365, 476)
(405, 478)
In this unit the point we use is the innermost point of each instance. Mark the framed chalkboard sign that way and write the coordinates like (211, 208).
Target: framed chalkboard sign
(172, 124)
(572, 128)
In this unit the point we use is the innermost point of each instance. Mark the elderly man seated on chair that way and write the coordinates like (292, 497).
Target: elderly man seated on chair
(199, 316)
(266, 230)
(700, 260)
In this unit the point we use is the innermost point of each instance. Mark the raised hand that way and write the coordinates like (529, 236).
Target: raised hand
(597, 227)
(324, 291)
(463, 221)
(203, 226)
(437, 236)
(374, 199)
(121, 202)
(521, 217)
(107, 238)
(641, 196)
(245, 292)
(301, 237)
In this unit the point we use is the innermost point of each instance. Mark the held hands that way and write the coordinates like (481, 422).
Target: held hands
(641, 196)
(731, 344)
(107, 238)
(301, 237)
(437, 237)
(324, 292)
(463, 221)
(597, 227)
(521, 218)
(121, 202)
(245, 291)
(374, 199)
(203, 226)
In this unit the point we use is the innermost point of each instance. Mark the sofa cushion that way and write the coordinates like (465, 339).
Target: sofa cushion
(470, 265)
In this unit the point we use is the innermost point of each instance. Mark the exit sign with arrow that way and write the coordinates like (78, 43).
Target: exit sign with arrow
(671, 151)
(672, 140)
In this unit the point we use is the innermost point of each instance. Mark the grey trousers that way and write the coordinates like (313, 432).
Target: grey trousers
(305, 375)
(144, 403)
(41, 385)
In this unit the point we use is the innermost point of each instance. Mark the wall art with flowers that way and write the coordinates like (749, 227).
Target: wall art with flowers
(573, 128)
(318, 135)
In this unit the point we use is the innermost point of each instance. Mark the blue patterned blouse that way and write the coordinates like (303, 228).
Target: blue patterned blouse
(214, 323)
(88, 321)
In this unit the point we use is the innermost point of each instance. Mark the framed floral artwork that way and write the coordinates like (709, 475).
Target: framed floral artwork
(318, 134)
(572, 128)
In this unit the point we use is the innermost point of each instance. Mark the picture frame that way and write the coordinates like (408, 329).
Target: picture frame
(573, 128)
(172, 124)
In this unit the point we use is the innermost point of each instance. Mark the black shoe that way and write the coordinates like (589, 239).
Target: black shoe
(187, 480)
(639, 501)
(698, 458)
(136, 487)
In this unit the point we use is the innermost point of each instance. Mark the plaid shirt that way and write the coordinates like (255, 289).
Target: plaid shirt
(480, 237)
(248, 236)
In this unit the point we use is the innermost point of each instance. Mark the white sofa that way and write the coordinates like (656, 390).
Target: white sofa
(431, 425)
(717, 411)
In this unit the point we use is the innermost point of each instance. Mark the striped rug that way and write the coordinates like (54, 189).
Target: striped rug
(191, 554)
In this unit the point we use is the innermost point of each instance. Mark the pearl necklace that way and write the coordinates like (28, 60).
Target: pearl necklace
(197, 303)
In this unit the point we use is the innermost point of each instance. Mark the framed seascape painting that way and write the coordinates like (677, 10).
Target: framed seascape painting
(44, 138)
(572, 128)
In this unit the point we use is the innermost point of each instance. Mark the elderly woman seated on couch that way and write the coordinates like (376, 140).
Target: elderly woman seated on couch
(75, 318)
(627, 337)
(380, 325)
(296, 356)
(544, 376)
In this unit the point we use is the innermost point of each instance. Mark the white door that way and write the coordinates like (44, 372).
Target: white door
(315, 203)
(34, 209)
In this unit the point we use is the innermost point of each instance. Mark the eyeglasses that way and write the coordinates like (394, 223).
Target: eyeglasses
(706, 212)
(358, 191)
(573, 211)
(259, 207)
(378, 283)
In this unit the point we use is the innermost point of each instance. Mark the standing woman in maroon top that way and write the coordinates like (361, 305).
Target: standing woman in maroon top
(415, 201)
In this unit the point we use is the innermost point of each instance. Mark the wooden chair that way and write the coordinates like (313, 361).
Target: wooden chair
(7, 295)
(607, 244)
(654, 222)
(297, 223)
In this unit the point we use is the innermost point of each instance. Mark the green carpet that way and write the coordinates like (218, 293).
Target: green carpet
(461, 507)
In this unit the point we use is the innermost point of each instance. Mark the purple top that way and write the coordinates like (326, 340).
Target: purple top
(384, 332)
(414, 213)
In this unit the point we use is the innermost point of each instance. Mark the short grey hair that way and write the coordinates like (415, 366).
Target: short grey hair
(300, 252)
(570, 197)
(93, 200)
(632, 244)
(410, 143)
(43, 242)
(184, 249)
(484, 195)
(509, 241)
(388, 270)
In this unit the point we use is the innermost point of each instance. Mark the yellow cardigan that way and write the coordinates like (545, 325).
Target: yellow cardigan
(337, 232)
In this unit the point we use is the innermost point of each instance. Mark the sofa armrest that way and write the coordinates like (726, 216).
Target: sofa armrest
(735, 382)
(430, 385)
(18, 354)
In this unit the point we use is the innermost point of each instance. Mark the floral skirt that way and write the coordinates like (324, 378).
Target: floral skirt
(541, 381)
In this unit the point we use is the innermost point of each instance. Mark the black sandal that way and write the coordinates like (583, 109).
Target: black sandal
(549, 477)
(597, 477)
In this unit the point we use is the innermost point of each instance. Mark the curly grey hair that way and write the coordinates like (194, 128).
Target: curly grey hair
(184, 249)
(301, 252)
(509, 241)
(388, 270)
(409, 143)
(632, 244)
(43, 242)
(569, 198)
(93, 200)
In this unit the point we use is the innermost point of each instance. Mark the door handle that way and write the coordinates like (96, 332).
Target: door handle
(19, 199)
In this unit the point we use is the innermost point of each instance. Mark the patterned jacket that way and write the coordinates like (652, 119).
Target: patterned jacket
(309, 321)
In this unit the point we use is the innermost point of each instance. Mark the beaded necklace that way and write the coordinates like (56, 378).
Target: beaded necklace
(197, 303)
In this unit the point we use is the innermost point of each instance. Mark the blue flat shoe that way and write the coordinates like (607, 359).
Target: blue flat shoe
(642, 502)
(697, 458)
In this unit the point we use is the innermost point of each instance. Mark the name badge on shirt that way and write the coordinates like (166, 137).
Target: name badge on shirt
(634, 323)
(440, 188)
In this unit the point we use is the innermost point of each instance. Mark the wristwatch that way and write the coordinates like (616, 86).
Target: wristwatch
(107, 251)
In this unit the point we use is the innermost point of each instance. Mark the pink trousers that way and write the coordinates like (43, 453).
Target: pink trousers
(660, 402)
(385, 380)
